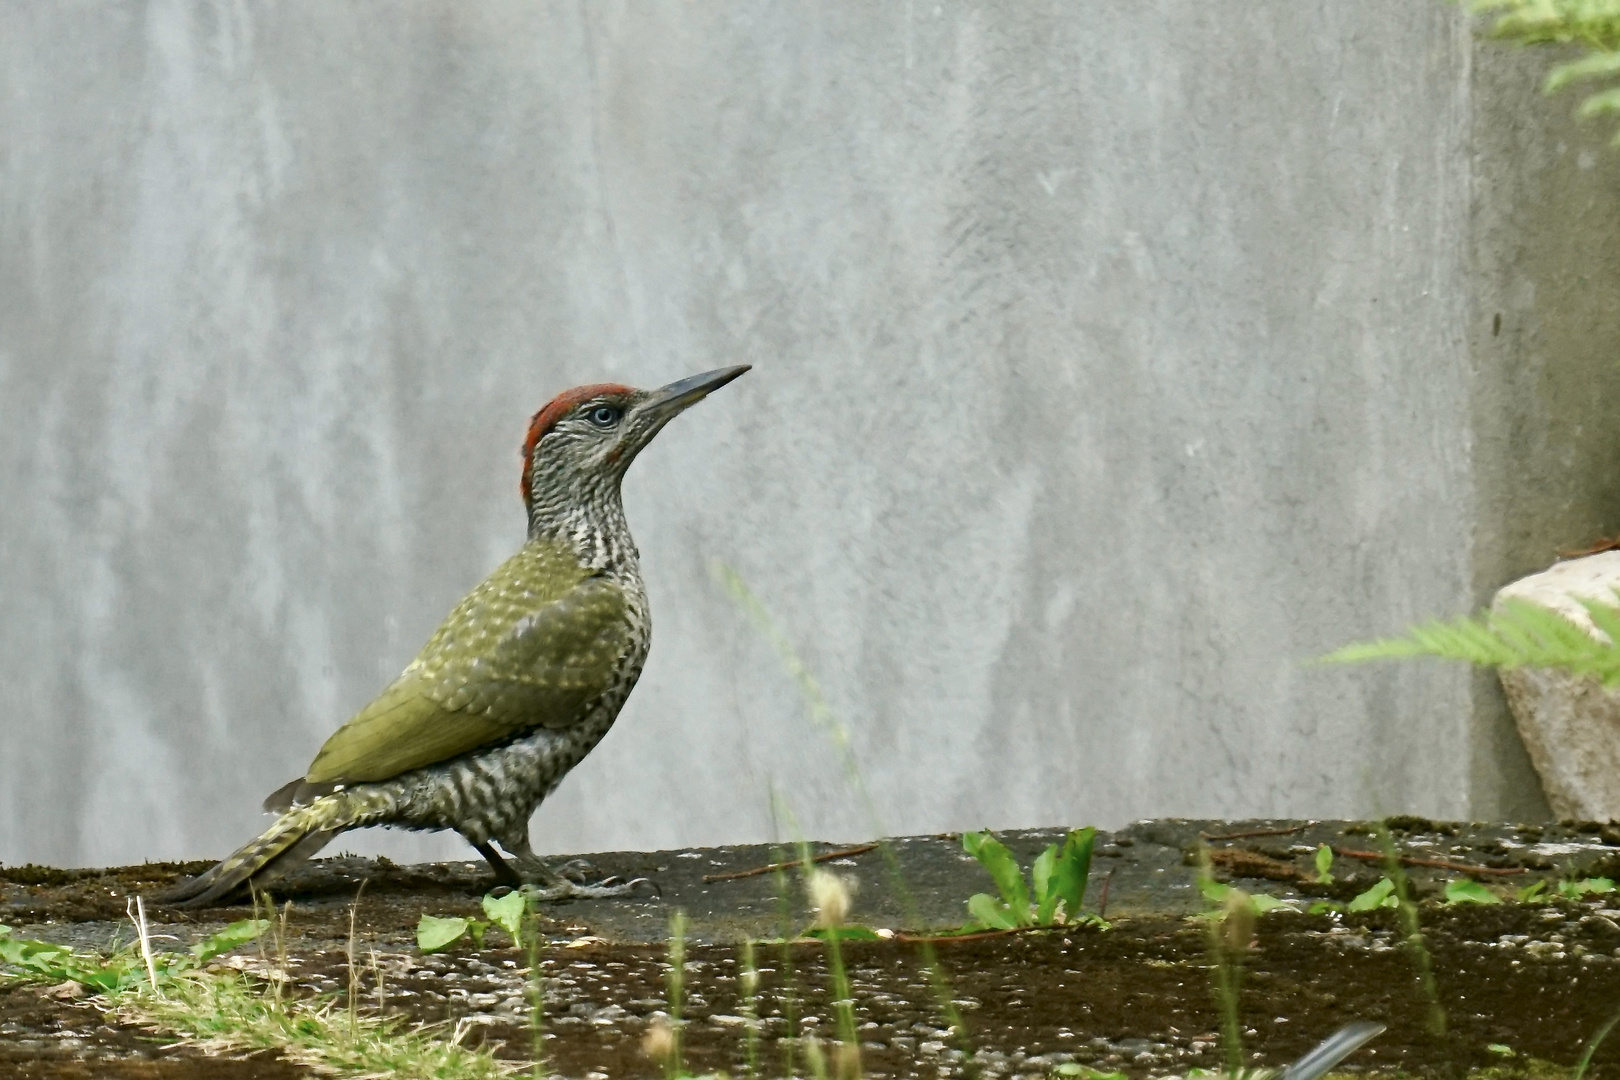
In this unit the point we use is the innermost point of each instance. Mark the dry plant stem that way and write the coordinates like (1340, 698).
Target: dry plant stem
(786, 996)
(750, 1007)
(354, 974)
(822, 715)
(709, 879)
(139, 919)
(843, 1003)
(1227, 975)
(377, 979)
(280, 925)
(1435, 864)
(537, 993)
(1415, 945)
(677, 978)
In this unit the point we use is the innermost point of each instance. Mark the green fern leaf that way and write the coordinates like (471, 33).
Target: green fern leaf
(1516, 634)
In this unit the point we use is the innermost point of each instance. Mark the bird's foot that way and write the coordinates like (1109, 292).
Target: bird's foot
(579, 871)
(562, 888)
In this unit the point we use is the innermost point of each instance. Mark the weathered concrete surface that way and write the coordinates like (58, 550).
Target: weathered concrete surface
(1111, 361)
(914, 885)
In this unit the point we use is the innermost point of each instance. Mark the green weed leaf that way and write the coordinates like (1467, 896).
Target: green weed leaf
(233, 936)
(1073, 870)
(434, 933)
(1040, 876)
(506, 912)
(1466, 891)
(1380, 895)
(1003, 869)
(989, 912)
(1262, 903)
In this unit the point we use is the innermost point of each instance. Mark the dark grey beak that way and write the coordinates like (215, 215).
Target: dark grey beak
(666, 401)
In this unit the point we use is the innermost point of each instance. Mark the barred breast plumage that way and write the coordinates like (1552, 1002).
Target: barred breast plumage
(518, 684)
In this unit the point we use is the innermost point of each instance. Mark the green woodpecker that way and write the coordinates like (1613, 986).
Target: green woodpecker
(519, 683)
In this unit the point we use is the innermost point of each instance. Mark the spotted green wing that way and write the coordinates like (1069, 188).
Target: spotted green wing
(531, 647)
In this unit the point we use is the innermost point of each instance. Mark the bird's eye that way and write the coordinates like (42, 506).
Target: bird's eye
(604, 416)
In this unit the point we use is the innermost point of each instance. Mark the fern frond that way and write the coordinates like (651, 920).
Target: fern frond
(1593, 23)
(1590, 66)
(1516, 634)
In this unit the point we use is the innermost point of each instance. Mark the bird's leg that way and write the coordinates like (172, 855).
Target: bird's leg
(547, 884)
(504, 874)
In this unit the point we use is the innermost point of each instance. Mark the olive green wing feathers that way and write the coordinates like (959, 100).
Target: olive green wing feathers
(531, 647)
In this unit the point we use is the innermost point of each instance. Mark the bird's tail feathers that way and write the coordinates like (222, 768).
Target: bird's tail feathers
(295, 836)
(1332, 1050)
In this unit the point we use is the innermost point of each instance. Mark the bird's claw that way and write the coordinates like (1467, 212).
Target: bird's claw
(606, 889)
(579, 871)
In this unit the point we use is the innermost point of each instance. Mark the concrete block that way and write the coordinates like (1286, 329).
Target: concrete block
(1112, 361)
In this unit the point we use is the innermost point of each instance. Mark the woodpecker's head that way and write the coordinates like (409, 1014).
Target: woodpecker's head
(585, 438)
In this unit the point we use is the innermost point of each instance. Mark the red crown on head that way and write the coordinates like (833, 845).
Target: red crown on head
(543, 421)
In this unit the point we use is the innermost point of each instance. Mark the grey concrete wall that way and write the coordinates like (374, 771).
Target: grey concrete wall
(1111, 361)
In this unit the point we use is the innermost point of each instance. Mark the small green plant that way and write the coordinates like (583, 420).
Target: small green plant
(125, 968)
(1380, 895)
(1468, 891)
(1412, 941)
(830, 897)
(1574, 890)
(1230, 922)
(229, 1011)
(1324, 865)
(177, 993)
(1533, 893)
(822, 715)
(434, 933)
(1225, 896)
(1051, 897)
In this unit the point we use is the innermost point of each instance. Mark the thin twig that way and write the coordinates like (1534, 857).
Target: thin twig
(1257, 832)
(790, 864)
(1438, 864)
(1102, 897)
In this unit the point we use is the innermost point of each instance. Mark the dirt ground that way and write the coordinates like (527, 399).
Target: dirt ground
(1535, 980)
